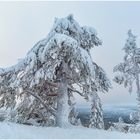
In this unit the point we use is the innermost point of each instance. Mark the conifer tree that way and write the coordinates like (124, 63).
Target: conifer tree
(41, 87)
(129, 70)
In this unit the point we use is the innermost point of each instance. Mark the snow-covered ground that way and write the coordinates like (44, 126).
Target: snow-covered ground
(17, 131)
(13, 130)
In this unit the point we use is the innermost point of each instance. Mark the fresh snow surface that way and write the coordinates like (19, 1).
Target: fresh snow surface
(17, 131)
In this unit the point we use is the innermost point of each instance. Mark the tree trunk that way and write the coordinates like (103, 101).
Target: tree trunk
(62, 100)
(138, 92)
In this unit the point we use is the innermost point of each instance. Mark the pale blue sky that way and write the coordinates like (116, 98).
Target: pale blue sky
(22, 24)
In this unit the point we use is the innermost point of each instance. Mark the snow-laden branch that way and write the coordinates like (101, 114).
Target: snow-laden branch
(52, 84)
(74, 90)
(48, 108)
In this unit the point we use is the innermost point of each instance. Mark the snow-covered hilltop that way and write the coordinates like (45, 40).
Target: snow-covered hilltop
(40, 88)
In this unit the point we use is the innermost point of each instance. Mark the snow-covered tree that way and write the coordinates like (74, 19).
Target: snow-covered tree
(96, 116)
(134, 128)
(120, 126)
(121, 120)
(129, 70)
(41, 87)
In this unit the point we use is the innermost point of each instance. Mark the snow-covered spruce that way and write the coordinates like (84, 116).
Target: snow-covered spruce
(40, 88)
(119, 126)
(96, 116)
(129, 70)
